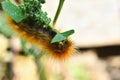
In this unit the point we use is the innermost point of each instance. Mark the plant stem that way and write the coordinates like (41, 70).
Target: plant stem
(58, 11)
(40, 66)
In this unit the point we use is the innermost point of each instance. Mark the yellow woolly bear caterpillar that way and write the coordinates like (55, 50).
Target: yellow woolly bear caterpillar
(42, 36)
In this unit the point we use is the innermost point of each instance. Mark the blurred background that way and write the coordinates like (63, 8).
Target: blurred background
(97, 38)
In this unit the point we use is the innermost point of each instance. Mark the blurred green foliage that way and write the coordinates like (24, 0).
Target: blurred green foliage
(4, 27)
(78, 71)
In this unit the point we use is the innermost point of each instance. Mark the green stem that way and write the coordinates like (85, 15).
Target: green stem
(24, 48)
(58, 11)
(40, 66)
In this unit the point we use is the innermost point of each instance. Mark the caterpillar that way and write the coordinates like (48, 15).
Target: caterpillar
(42, 36)
(35, 28)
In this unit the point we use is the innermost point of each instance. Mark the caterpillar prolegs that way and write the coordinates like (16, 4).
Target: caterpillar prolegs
(42, 36)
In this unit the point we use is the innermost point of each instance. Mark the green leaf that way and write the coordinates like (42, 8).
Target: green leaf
(62, 36)
(13, 11)
(58, 37)
(68, 33)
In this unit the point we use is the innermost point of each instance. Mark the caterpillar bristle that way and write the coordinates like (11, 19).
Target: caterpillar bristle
(42, 38)
(17, 1)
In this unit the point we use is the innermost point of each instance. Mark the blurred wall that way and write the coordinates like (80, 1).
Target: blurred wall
(96, 22)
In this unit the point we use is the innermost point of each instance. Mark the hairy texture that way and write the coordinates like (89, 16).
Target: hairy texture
(42, 36)
(18, 1)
